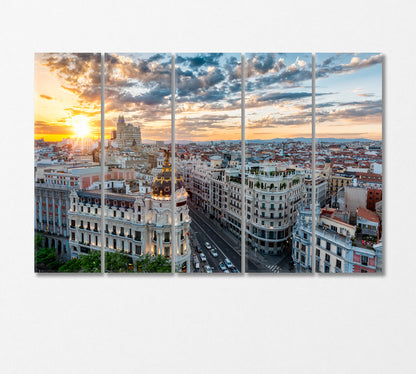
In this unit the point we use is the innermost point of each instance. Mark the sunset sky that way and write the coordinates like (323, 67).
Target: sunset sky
(349, 95)
(67, 95)
(278, 95)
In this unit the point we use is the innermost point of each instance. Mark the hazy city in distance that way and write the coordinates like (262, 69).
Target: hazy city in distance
(205, 229)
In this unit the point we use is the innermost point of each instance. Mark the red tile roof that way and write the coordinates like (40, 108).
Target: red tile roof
(367, 214)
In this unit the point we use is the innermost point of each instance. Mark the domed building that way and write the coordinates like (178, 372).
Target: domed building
(162, 185)
(162, 216)
(136, 224)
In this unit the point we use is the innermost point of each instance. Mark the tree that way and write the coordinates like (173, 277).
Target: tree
(71, 266)
(91, 263)
(117, 262)
(153, 264)
(46, 260)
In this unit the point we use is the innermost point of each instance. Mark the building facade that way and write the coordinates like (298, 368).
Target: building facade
(128, 136)
(51, 219)
(136, 224)
(337, 247)
(272, 196)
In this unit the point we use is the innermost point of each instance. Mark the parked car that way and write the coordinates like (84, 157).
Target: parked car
(198, 249)
(214, 252)
(208, 245)
(234, 269)
(222, 266)
(208, 269)
(228, 263)
(203, 257)
(226, 271)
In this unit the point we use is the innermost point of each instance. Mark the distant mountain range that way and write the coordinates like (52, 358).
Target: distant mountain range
(275, 140)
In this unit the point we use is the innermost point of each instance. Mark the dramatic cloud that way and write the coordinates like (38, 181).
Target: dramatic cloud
(46, 97)
(331, 66)
(358, 111)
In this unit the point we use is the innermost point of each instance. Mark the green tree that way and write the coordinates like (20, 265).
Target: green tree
(71, 266)
(118, 262)
(91, 262)
(46, 260)
(153, 264)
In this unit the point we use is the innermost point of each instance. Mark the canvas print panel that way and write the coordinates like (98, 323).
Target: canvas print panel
(208, 159)
(67, 139)
(349, 163)
(138, 219)
(278, 156)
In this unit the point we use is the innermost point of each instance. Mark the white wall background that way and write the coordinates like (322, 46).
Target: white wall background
(252, 324)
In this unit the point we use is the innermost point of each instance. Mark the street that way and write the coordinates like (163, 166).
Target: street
(204, 230)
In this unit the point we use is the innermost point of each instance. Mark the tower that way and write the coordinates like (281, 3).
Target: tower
(120, 129)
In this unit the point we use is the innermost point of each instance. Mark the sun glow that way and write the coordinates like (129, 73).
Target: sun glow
(81, 126)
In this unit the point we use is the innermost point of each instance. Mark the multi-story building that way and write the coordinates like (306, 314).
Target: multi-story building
(338, 248)
(272, 198)
(339, 180)
(136, 224)
(374, 195)
(321, 187)
(128, 136)
(51, 219)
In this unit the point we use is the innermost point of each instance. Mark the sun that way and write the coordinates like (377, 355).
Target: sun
(81, 126)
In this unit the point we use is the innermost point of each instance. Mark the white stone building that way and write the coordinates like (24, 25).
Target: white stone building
(136, 224)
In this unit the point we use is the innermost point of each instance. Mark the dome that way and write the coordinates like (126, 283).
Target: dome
(162, 184)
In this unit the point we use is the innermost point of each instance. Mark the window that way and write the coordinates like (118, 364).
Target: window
(327, 258)
(364, 271)
(138, 250)
(305, 235)
(272, 198)
(302, 259)
(167, 236)
(364, 260)
(326, 269)
(122, 214)
(72, 236)
(339, 251)
(338, 264)
(328, 246)
(318, 252)
(318, 241)
(114, 213)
